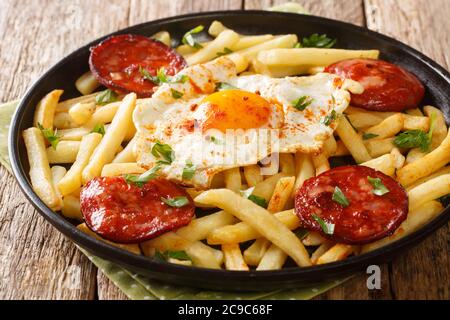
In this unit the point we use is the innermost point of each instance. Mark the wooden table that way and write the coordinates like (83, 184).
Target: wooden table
(37, 262)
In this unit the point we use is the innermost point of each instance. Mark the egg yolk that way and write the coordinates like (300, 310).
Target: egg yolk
(235, 109)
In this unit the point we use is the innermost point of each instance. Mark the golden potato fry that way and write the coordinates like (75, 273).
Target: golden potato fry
(273, 259)
(118, 169)
(438, 173)
(304, 167)
(428, 191)
(64, 106)
(313, 238)
(233, 257)
(71, 208)
(389, 127)
(414, 112)
(416, 123)
(45, 110)
(352, 141)
(324, 247)
(265, 188)
(87, 83)
(385, 164)
(164, 37)
(287, 163)
(65, 152)
(281, 194)
(58, 173)
(254, 253)
(81, 112)
(341, 149)
(321, 163)
(253, 175)
(127, 154)
(440, 127)
(63, 120)
(233, 179)
(336, 253)
(378, 147)
(364, 119)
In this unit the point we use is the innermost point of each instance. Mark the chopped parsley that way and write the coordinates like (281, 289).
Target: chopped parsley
(177, 202)
(176, 94)
(164, 151)
(368, 135)
(179, 255)
(224, 86)
(215, 140)
(105, 97)
(143, 178)
(49, 135)
(413, 139)
(260, 201)
(224, 52)
(327, 120)
(327, 228)
(302, 102)
(316, 41)
(188, 170)
(379, 188)
(162, 77)
(99, 128)
(339, 197)
(190, 40)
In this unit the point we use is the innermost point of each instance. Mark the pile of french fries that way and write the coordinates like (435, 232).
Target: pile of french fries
(240, 235)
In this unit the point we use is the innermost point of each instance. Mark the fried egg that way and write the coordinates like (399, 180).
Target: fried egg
(210, 130)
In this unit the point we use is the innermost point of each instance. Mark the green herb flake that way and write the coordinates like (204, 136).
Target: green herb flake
(339, 197)
(413, 139)
(177, 202)
(216, 140)
(49, 135)
(188, 170)
(224, 52)
(247, 192)
(368, 135)
(379, 188)
(301, 233)
(99, 128)
(105, 97)
(258, 200)
(327, 228)
(162, 77)
(143, 178)
(190, 40)
(302, 102)
(179, 255)
(327, 120)
(221, 86)
(164, 151)
(176, 94)
(316, 41)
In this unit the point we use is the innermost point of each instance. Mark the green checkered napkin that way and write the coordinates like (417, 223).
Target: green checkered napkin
(138, 287)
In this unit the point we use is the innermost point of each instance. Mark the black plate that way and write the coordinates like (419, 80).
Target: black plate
(64, 74)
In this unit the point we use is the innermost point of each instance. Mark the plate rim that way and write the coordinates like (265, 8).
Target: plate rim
(128, 259)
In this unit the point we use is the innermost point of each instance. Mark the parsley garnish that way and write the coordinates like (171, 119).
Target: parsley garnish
(224, 86)
(50, 135)
(160, 150)
(179, 255)
(260, 201)
(316, 41)
(368, 135)
(329, 118)
(339, 197)
(379, 188)
(302, 102)
(301, 233)
(190, 40)
(413, 139)
(177, 202)
(224, 52)
(176, 94)
(215, 140)
(188, 170)
(162, 77)
(327, 228)
(106, 97)
(99, 128)
(143, 178)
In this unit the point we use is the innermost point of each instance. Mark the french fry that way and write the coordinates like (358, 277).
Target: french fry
(81, 113)
(428, 191)
(304, 167)
(218, 181)
(265, 188)
(364, 119)
(133, 248)
(255, 252)
(440, 127)
(389, 127)
(241, 232)
(416, 123)
(45, 110)
(233, 257)
(233, 179)
(65, 152)
(71, 208)
(58, 173)
(414, 112)
(252, 175)
(118, 169)
(40, 173)
(336, 253)
(104, 114)
(352, 141)
(281, 194)
(330, 146)
(311, 56)
(250, 41)
(341, 149)
(385, 164)
(87, 83)
(313, 239)
(216, 28)
(164, 37)
(72, 180)
(225, 39)
(413, 155)
(426, 165)
(273, 259)
(260, 219)
(379, 147)
(415, 220)
(321, 163)
(287, 164)
(63, 120)
(107, 148)
(64, 106)
(324, 247)
(438, 173)
(127, 154)
(73, 134)
(399, 159)
(201, 254)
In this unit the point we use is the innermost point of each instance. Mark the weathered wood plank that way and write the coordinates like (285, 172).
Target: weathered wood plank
(37, 261)
(424, 271)
(107, 290)
(348, 10)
